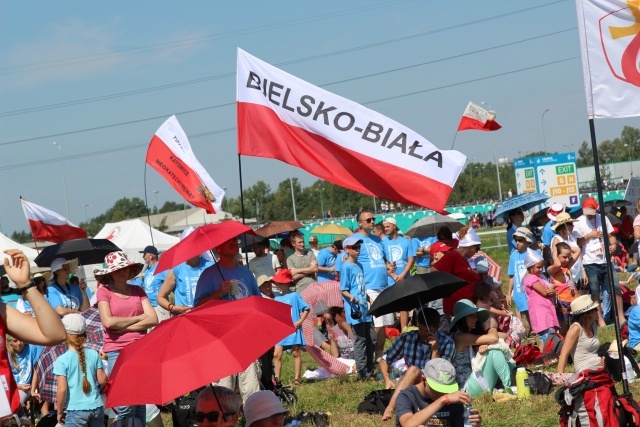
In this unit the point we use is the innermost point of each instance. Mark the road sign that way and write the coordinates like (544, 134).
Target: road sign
(554, 175)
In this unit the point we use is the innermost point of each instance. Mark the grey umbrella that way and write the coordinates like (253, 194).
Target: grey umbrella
(428, 226)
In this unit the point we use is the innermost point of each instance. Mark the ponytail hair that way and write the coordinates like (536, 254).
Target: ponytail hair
(77, 341)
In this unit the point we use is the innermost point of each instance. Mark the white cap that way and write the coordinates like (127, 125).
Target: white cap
(260, 405)
(390, 220)
(74, 324)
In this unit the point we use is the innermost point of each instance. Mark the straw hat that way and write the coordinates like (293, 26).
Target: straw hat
(116, 261)
(561, 219)
(582, 304)
(613, 348)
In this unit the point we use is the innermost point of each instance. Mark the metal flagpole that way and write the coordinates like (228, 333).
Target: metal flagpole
(246, 254)
(495, 158)
(146, 203)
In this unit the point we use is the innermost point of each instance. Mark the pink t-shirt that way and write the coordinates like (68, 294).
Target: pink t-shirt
(542, 310)
(122, 307)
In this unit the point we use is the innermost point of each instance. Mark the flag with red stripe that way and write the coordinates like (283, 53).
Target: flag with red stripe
(48, 225)
(477, 118)
(283, 117)
(170, 154)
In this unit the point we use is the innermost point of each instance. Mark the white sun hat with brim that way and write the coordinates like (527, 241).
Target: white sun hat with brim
(582, 304)
(470, 239)
(116, 261)
(58, 263)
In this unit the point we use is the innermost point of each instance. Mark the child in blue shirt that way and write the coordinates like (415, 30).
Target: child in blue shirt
(517, 270)
(23, 358)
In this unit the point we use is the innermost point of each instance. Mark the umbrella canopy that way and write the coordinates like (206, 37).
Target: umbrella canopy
(88, 251)
(202, 239)
(537, 218)
(521, 201)
(203, 345)
(415, 291)
(428, 226)
(44, 365)
(276, 227)
(332, 229)
(618, 203)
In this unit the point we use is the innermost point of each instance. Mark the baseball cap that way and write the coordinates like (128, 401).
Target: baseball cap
(390, 220)
(351, 240)
(262, 279)
(440, 375)
(74, 324)
(438, 247)
(150, 250)
(482, 265)
(590, 206)
(260, 405)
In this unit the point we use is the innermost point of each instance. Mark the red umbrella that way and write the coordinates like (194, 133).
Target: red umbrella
(202, 239)
(276, 227)
(210, 342)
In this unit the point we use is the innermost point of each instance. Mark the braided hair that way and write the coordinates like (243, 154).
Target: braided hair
(77, 341)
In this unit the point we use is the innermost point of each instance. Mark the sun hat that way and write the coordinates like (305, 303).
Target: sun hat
(150, 250)
(590, 206)
(613, 348)
(438, 247)
(262, 279)
(440, 375)
(525, 233)
(57, 264)
(283, 277)
(532, 257)
(554, 210)
(260, 405)
(390, 220)
(351, 240)
(561, 219)
(313, 239)
(113, 262)
(74, 324)
(465, 307)
(470, 239)
(582, 304)
(46, 275)
(482, 265)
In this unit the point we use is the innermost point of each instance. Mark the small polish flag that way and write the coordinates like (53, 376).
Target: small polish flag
(477, 118)
(50, 226)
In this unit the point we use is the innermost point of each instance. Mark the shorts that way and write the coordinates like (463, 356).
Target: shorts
(385, 319)
(563, 310)
(544, 334)
(598, 275)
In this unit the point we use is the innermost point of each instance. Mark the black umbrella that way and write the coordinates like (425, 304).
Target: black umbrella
(88, 251)
(538, 218)
(416, 291)
(617, 203)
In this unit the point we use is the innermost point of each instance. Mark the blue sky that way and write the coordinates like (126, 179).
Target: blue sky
(71, 66)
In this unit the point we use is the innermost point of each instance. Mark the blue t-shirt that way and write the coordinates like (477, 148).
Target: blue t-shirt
(352, 280)
(325, 259)
(70, 298)
(68, 365)
(26, 359)
(186, 281)
(340, 258)
(634, 327)
(548, 233)
(210, 281)
(152, 283)
(398, 250)
(298, 305)
(511, 244)
(424, 243)
(371, 260)
(518, 270)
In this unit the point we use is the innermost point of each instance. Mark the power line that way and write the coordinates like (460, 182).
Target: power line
(324, 85)
(131, 147)
(295, 61)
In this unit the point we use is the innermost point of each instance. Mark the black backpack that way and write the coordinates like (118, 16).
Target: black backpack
(539, 383)
(375, 402)
(184, 411)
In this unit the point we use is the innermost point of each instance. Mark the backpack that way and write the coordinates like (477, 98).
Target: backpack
(553, 344)
(525, 354)
(539, 383)
(183, 413)
(588, 401)
(376, 402)
(628, 411)
(613, 366)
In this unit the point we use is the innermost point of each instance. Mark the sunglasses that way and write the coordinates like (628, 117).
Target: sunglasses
(212, 417)
(519, 240)
(369, 220)
(354, 247)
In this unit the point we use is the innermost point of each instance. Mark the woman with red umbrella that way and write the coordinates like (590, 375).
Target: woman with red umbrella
(126, 314)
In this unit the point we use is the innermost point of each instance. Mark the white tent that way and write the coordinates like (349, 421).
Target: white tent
(7, 243)
(134, 235)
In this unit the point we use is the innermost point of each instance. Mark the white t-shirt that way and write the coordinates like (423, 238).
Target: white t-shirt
(593, 249)
(264, 265)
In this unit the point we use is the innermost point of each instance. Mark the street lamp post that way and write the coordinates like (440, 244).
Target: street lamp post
(64, 180)
(86, 218)
(630, 162)
(226, 197)
(544, 137)
(321, 205)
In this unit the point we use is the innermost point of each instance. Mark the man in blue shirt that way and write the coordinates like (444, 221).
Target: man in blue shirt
(182, 280)
(327, 261)
(151, 282)
(399, 251)
(421, 246)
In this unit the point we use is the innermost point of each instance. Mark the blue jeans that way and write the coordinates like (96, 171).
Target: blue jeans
(598, 275)
(137, 411)
(90, 418)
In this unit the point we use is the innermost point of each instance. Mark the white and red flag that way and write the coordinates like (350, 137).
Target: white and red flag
(477, 118)
(283, 117)
(48, 225)
(170, 154)
(610, 43)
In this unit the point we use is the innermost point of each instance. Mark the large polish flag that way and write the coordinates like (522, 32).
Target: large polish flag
(170, 154)
(283, 117)
(477, 118)
(610, 43)
(48, 225)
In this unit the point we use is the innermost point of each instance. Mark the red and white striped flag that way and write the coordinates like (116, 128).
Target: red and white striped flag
(48, 225)
(170, 154)
(283, 117)
(477, 118)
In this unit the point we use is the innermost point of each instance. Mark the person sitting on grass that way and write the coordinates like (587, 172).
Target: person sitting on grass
(264, 409)
(299, 312)
(582, 341)
(436, 400)
(340, 333)
(417, 348)
(217, 406)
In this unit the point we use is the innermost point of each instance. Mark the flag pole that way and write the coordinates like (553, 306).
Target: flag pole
(146, 204)
(246, 254)
(605, 237)
(495, 158)
(454, 139)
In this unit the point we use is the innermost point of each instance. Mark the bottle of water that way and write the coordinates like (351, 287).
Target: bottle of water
(467, 414)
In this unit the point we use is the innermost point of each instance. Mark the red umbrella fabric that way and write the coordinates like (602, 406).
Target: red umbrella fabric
(210, 342)
(202, 239)
(276, 227)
